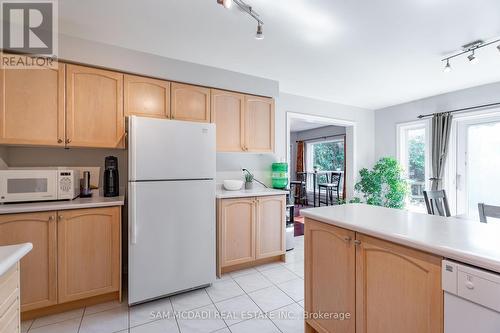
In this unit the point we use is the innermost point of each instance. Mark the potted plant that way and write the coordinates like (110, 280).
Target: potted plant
(248, 181)
(384, 185)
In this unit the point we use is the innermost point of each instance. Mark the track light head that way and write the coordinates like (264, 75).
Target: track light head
(260, 31)
(226, 3)
(472, 58)
(447, 68)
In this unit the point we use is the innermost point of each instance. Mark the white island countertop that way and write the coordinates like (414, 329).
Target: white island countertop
(467, 241)
(43, 206)
(255, 192)
(11, 254)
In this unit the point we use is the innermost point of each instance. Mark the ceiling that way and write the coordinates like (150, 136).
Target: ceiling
(298, 125)
(371, 53)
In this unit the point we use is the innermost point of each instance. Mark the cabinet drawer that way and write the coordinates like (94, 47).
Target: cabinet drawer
(9, 322)
(9, 291)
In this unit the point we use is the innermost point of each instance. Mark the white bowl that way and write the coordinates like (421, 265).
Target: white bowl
(233, 184)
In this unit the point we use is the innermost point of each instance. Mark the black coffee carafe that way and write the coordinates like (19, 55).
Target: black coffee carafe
(111, 178)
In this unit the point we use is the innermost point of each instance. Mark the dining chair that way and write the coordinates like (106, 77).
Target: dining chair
(300, 188)
(488, 211)
(332, 185)
(437, 203)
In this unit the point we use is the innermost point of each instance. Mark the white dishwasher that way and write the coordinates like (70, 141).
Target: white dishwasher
(471, 299)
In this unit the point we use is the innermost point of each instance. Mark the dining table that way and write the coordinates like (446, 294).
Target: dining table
(315, 175)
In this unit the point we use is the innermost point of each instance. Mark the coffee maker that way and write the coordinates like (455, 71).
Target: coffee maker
(111, 179)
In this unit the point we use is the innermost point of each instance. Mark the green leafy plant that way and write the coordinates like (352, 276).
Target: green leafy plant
(385, 185)
(248, 178)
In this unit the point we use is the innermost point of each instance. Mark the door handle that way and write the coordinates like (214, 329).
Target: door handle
(357, 242)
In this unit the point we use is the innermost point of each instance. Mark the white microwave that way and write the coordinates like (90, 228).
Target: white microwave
(39, 184)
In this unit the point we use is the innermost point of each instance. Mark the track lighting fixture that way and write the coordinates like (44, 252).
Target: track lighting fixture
(472, 58)
(447, 68)
(260, 32)
(470, 49)
(249, 10)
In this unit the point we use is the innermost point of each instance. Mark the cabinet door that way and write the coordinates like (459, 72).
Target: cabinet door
(329, 276)
(190, 103)
(237, 231)
(146, 97)
(229, 118)
(38, 268)
(94, 110)
(32, 106)
(270, 228)
(397, 289)
(88, 252)
(259, 124)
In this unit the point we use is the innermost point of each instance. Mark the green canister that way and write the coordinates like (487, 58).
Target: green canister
(280, 175)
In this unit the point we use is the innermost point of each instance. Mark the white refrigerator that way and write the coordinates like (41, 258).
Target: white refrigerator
(171, 207)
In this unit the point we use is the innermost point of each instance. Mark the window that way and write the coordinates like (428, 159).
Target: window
(413, 155)
(326, 156)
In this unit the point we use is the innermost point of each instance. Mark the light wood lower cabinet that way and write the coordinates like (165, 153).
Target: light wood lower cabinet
(329, 275)
(39, 267)
(398, 289)
(88, 252)
(249, 229)
(9, 301)
(384, 287)
(270, 226)
(76, 254)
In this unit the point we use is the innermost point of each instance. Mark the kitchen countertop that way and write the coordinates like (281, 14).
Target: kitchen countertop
(255, 192)
(41, 206)
(11, 254)
(467, 241)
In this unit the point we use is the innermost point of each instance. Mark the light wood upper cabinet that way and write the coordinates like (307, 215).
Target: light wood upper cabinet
(330, 276)
(270, 227)
(32, 106)
(94, 108)
(398, 289)
(229, 118)
(190, 103)
(88, 252)
(236, 227)
(39, 267)
(259, 124)
(146, 97)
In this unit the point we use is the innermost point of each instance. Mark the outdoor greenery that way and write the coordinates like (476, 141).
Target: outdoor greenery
(384, 186)
(329, 156)
(416, 158)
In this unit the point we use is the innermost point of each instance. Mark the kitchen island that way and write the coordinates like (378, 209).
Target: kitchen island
(374, 269)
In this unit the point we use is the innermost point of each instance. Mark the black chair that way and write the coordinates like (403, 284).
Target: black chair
(488, 211)
(332, 185)
(437, 203)
(300, 188)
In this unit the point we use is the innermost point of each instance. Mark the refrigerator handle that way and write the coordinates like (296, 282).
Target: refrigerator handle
(132, 216)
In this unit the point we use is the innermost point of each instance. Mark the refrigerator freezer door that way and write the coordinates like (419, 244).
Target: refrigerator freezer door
(168, 149)
(172, 237)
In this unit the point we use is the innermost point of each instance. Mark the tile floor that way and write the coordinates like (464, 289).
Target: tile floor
(267, 298)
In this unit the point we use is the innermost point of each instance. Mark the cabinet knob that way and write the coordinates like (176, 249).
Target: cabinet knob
(357, 242)
(59, 140)
(60, 217)
(347, 239)
(68, 140)
(51, 218)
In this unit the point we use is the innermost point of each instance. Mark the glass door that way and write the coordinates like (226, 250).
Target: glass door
(478, 164)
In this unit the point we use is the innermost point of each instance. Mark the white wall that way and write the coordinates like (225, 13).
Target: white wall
(363, 133)
(386, 119)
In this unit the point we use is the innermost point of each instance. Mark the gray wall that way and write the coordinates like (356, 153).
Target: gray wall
(386, 119)
(307, 135)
